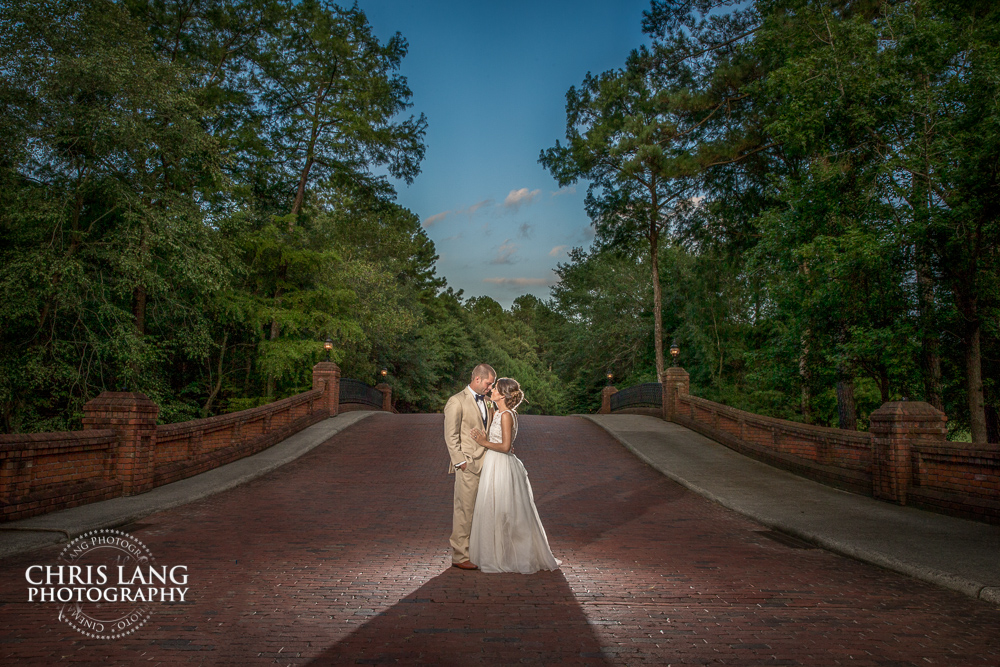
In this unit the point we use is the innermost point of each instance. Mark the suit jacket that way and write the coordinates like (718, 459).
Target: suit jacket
(461, 415)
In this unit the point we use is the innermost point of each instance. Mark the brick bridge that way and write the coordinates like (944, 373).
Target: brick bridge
(341, 556)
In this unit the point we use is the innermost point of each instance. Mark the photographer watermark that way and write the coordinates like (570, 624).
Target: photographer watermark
(106, 583)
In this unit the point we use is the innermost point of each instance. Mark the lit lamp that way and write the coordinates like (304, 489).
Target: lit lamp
(675, 351)
(328, 345)
(383, 373)
(609, 376)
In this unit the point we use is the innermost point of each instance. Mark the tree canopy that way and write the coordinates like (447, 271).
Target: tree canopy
(195, 194)
(842, 250)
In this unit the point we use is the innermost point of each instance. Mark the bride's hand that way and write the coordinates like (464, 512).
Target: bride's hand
(478, 435)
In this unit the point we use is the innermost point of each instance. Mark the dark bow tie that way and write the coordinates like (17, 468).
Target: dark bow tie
(480, 397)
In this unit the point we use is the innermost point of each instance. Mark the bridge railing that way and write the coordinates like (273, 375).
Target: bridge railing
(647, 395)
(121, 451)
(359, 395)
(904, 458)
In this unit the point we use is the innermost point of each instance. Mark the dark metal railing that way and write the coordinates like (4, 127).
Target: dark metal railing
(648, 395)
(356, 391)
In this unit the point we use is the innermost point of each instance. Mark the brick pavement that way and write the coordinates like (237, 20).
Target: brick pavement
(342, 557)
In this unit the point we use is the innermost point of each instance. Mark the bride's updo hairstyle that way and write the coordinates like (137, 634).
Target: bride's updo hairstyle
(511, 392)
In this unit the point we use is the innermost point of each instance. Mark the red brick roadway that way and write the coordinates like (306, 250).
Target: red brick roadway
(341, 557)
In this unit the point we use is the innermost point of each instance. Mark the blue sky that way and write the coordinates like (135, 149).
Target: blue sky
(492, 77)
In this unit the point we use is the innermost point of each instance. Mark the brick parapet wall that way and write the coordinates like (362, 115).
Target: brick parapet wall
(122, 451)
(955, 478)
(40, 472)
(386, 396)
(326, 378)
(192, 447)
(839, 458)
(132, 416)
(606, 395)
(904, 459)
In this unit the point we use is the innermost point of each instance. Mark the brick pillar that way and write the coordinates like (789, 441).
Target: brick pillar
(606, 400)
(676, 383)
(894, 427)
(133, 418)
(326, 377)
(386, 396)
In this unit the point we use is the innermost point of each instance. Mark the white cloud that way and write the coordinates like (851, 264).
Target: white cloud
(519, 282)
(505, 253)
(555, 252)
(564, 191)
(437, 217)
(475, 207)
(469, 210)
(516, 198)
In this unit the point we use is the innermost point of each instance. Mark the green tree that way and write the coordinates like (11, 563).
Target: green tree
(892, 96)
(333, 97)
(845, 245)
(601, 297)
(623, 137)
(152, 238)
(104, 165)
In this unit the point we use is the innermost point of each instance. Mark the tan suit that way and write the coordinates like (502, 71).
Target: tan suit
(461, 415)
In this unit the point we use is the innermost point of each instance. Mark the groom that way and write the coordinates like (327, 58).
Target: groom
(466, 410)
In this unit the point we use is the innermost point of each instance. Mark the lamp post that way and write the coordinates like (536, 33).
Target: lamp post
(609, 375)
(383, 373)
(675, 351)
(328, 345)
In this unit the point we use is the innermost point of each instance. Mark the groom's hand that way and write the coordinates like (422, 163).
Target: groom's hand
(461, 466)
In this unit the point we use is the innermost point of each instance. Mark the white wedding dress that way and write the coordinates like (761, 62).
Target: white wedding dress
(507, 535)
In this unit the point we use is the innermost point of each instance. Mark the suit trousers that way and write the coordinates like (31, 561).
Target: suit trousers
(466, 488)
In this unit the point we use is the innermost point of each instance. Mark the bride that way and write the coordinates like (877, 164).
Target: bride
(507, 535)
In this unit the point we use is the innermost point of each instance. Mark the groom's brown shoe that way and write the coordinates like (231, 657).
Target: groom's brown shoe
(465, 565)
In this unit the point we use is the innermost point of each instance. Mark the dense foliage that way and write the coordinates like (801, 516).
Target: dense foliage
(836, 241)
(191, 201)
(805, 194)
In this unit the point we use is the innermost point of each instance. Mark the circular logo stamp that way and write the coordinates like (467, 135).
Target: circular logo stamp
(107, 584)
(97, 564)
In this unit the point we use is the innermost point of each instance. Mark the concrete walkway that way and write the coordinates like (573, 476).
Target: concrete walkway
(39, 531)
(955, 553)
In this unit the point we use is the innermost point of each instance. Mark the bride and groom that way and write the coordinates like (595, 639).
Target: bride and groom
(495, 526)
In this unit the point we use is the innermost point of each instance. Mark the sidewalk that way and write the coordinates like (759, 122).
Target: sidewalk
(39, 531)
(950, 552)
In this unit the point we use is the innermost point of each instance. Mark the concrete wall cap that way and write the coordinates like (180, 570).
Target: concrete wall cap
(121, 400)
(327, 367)
(908, 408)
